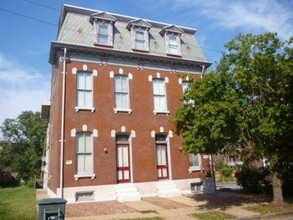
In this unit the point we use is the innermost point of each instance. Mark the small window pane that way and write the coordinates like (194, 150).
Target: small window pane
(173, 45)
(184, 86)
(194, 160)
(88, 81)
(88, 143)
(103, 33)
(88, 163)
(80, 164)
(160, 104)
(173, 40)
(140, 40)
(158, 86)
(103, 29)
(126, 174)
(139, 35)
(125, 156)
(80, 144)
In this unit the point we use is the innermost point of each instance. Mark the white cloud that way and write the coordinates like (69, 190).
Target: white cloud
(248, 16)
(22, 88)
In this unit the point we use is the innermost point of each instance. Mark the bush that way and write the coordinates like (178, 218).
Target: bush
(227, 172)
(30, 183)
(287, 178)
(254, 180)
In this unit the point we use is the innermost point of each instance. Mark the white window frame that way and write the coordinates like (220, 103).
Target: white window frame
(168, 44)
(194, 167)
(119, 108)
(91, 153)
(134, 40)
(82, 106)
(109, 35)
(164, 95)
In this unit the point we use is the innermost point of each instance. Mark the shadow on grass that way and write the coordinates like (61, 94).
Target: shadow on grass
(223, 200)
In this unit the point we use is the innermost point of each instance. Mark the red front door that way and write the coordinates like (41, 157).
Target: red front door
(162, 161)
(123, 167)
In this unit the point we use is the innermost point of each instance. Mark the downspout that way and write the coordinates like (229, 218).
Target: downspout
(62, 124)
(203, 68)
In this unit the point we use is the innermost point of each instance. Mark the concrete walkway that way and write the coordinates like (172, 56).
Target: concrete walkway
(168, 208)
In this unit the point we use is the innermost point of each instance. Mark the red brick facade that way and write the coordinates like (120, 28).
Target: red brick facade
(104, 123)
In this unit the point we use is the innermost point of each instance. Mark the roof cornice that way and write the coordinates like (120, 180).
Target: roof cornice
(59, 46)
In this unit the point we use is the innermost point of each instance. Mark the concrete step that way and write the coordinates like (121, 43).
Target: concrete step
(167, 188)
(127, 192)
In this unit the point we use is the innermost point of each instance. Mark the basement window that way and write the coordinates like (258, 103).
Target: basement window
(84, 196)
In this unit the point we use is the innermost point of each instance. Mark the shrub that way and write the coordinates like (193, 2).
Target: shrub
(30, 183)
(287, 178)
(254, 180)
(227, 171)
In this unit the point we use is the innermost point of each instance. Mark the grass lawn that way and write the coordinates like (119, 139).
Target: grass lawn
(17, 203)
(213, 215)
(262, 209)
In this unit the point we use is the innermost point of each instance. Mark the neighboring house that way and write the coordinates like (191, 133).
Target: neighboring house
(116, 84)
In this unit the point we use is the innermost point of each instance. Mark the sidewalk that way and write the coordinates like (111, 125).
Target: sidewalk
(168, 208)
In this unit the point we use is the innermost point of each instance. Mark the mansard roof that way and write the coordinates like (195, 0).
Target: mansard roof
(75, 29)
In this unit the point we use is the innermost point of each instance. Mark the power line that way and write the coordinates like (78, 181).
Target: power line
(42, 5)
(26, 16)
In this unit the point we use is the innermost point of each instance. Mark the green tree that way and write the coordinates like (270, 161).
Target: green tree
(246, 102)
(22, 144)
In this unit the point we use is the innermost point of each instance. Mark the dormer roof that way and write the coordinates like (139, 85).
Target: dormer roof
(139, 23)
(171, 28)
(102, 16)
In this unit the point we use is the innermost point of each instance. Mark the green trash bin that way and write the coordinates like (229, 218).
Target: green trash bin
(51, 209)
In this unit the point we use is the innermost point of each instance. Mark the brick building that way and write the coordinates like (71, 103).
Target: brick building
(116, 83)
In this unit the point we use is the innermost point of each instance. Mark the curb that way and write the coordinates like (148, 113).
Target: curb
(269, 216)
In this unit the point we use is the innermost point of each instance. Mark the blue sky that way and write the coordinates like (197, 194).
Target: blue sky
(29, 26)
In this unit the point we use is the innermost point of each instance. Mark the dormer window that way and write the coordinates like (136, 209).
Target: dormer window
(139, 34)
(103, 26)
(103, 33)
(172, 36)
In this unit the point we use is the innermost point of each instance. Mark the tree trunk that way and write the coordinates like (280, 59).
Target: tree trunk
(277, 187)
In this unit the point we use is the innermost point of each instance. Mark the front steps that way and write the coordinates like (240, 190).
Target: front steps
(127, 192)
(167, 188)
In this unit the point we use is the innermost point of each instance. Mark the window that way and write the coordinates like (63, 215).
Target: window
(172, 36)
(84, 91)
(184, 86)
(140, 39)
(139, 34)
(121, 92)
(194, 162)
(103, 24)
(103, 33)
(159, 92)
(84, 196)
(173, 44)
(84, 153)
